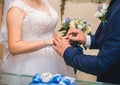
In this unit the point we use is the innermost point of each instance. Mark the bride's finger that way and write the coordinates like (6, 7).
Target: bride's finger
(73, 31)
(66, 37)
(55, 35)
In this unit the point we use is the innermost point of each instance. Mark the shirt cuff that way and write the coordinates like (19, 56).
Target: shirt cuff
(88, 41)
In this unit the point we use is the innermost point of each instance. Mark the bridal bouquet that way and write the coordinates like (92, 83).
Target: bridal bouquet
(77, 23)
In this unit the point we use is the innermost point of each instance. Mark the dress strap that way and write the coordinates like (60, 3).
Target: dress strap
(21, 5)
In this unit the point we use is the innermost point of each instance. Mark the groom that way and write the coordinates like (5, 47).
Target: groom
(106, 65)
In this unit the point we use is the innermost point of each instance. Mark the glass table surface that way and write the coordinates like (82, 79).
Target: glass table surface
(19, 79)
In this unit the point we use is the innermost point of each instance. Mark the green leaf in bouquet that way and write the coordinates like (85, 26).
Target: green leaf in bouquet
(64, 33)
(84, 29)
(64, 27)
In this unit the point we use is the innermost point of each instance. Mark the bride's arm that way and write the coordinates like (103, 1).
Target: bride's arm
(16, 46)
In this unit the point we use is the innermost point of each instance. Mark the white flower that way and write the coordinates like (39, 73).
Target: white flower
(88, 30)
(62, 83)
(63, 21)
(72, 24)
(101, 11)
(80, 26)
(98, 14)
(46, 77)
(105, 6)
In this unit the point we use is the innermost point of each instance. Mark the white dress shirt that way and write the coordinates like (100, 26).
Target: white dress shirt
(88, 41)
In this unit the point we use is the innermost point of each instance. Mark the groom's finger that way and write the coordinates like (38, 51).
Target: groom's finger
(66, 37)
(69, 31)
(55, 44)
(72, 31)
(73, 38)
(56, 40)
(54, 47)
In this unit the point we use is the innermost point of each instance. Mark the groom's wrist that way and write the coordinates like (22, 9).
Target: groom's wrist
(88, 41)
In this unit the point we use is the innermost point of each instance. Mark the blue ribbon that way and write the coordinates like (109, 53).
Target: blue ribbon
(57, 79)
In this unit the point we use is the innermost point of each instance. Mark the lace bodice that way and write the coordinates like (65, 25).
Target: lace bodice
(37, 24)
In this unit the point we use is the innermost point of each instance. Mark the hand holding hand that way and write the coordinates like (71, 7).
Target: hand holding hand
(76, 35)
(60, 44)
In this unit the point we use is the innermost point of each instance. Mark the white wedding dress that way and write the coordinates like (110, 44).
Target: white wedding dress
(37, 25)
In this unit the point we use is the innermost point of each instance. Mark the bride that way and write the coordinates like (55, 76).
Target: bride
(27, 34)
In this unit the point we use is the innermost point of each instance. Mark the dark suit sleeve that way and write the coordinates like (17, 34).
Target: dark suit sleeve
(93, 43)
(108, 57)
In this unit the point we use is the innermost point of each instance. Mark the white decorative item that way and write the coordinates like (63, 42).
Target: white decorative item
(52, 79)
(46, 77)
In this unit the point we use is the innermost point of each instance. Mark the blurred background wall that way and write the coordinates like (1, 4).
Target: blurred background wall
(1, 9)
(1, 49)
(83, 8)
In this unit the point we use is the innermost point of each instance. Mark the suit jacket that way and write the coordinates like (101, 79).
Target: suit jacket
(106, 65)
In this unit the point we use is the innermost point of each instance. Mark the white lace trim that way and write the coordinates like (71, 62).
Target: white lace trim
(21, 5)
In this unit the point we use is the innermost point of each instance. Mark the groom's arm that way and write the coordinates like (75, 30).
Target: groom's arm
(108, 57)
(106, 60)
(79, 61)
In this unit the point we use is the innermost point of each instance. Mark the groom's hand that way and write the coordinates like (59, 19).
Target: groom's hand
(76, 35)
(60, 44)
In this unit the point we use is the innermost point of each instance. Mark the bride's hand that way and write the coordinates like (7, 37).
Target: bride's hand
(65, 37)
(48, 42)
(60, 44)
